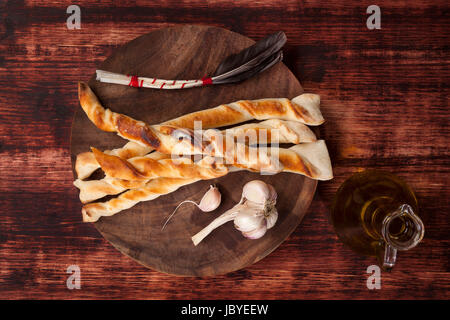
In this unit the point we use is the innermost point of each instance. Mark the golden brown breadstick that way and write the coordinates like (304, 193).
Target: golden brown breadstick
(86, 164)
(309, 159)
(148, 168)
(91, 190)
(288, 132)
(175, 140)
(274, 131)
(152, 190)
(304, 108)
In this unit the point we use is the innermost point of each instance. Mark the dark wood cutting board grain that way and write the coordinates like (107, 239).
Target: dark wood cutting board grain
(189, 52)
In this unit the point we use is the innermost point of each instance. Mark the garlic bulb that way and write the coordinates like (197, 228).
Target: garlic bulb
(263, 196)
(253, 215)
(209, 202)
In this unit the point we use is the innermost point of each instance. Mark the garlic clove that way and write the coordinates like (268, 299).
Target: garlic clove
(272, 218)
(256, 233)
(211, 199)
(257, 191)
(249, 219)
(273, 194)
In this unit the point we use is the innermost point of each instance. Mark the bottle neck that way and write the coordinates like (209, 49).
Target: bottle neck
(402, 229)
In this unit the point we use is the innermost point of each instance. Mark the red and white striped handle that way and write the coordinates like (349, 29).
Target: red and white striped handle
(143, 82)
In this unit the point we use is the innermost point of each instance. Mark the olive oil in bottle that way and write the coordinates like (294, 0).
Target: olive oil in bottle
(375, 214)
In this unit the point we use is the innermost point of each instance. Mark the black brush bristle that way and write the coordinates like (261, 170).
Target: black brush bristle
(252, 60)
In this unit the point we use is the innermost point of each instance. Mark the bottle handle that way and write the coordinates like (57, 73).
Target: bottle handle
(390, 256)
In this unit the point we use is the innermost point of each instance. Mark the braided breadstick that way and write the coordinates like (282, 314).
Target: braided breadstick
(139, 168)
(274, 131)
(309, 159)
(289, 132)
(86, 164)
(146, 168)
(113, 183)
(173, 140)
(152, 190)
(95, 189)
(304, 108)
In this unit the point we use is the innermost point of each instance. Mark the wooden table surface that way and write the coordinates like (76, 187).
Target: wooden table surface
(384, 95)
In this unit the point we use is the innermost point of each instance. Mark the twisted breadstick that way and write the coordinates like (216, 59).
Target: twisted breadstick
(139, 168)
(173, 140)
(287, 132)
(86, 164)
(304, 108)
(95, 189)
(309, 159)
(147, 168)
(273, 130)
(152, 190)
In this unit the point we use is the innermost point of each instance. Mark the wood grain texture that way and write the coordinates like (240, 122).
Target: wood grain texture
(189, 52)
(384, 95)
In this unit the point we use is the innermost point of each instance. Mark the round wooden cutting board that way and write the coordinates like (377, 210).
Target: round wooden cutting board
(189, 52)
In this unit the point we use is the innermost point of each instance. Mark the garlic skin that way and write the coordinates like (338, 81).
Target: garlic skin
(249, 219)
(211, 200)
(256, 191)
(272, 194)
(257, 233)
(272, 218)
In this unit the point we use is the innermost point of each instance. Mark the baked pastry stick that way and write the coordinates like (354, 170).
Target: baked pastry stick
(184, 168)
(152, 190)
(175, 140)
(139, 168)
(309, 159)
(86, 164)
(145, 168)
(91, 190)
(286, 132)
(122, 174)
(304, 109)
